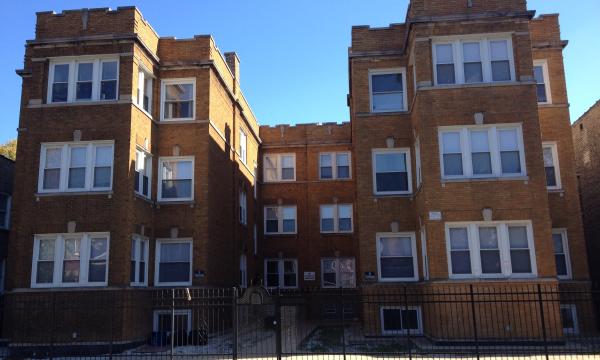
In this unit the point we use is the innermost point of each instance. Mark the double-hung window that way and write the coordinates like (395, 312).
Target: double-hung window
(397, 257)
(280, 220)
(542, 80)
(70, 260)
(242, 148)
(391, 171)
(473, 60)
(144, 90)
(139, 261)
(336, 218)
(481, 151)
(173, 262)
(83, 79)
(143, 173)
(279, 167)
(176, 178)
(178, 99)
(4, 210)
(76, 166)
(399, 320)
(243, 208)
(334, 165)
(551, 165)
(281, 273)
(388, 90)
(561, 253)
(490, 249)
(338, 272)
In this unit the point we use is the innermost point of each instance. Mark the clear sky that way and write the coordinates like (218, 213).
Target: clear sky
(294, 65)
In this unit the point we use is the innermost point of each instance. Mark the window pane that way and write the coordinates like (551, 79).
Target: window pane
(445, 74)
(396, 246)
(397, 267)
(386, 83)
(388, 101)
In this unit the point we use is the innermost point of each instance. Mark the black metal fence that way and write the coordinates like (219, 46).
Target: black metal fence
(533, 321)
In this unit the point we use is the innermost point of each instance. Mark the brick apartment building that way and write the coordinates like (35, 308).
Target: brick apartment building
(146, 167)
(587, 152)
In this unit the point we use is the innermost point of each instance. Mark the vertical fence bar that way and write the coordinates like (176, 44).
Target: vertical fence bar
(408, 343)
(473, 313)
(234, 319)
(172, 322)
(278, 325)
(543, 319)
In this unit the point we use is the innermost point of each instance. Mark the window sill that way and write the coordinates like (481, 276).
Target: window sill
(487, 179)
(73, 193)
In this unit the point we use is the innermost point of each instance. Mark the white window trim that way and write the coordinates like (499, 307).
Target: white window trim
(281, 273)
(336, 217)
(138, 240)
(413, 246)
(243, 199)
(159, 242)
(72, 81)
(243, 147)
(64, 168)
(177, 81)
(573, 309)
(139, 101)
(161, 160)
(544, 64)
(554, 146)
(567, 252)
(337, 272)
(485, 55)
(141, 179)
(5, 223)
(402, 71)
(408, 161)
(503, 246)
(280, 220)
(84, 259)
(187, 312)
(418, 331)
(465, 145)
(279, 167)
(334, 166)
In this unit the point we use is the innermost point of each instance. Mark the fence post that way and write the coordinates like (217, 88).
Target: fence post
(278, 325)
(172, 322)
(343, 325)
(543, 319)
(408, 343)
(475, 333)
(234, 320)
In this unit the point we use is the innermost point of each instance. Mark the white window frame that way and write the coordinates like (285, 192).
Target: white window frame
(186, 312)
(503, 247)
(279, 167)
(336, 218)
(567, 253)
(337, 273)
(334, 165)
(400, 70)
(554, 146)
(543, 63)
(73, 63)
(573, 309)
(65, 161)
(408, 160)
(138, 240)
(413, 246)
(280, 219)
(485, 55)
(147, 158)
(243, 208)
(281, 273)
(159, 242)
(243, 146)
(161, 160)
(177, 81)
(143, 75)
(418, 331)
(494, 146)
(84, 259)
(5, 223)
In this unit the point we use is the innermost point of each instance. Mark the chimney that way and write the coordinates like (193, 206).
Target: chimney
(233, 61)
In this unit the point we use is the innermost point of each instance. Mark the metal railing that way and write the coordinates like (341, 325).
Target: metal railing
(536, 321)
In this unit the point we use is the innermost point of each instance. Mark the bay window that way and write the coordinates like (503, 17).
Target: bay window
(70, 260)
(396, 257)
(176, 178)
(84, 78)
(173, 262)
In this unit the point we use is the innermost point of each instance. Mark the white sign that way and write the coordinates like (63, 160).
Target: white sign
(309, 276)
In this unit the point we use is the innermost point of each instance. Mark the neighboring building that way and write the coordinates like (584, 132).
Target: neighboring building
(586, 134)
(142, 156)
(7, 170)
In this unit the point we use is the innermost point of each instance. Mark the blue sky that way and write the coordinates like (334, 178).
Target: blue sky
(293, 53)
